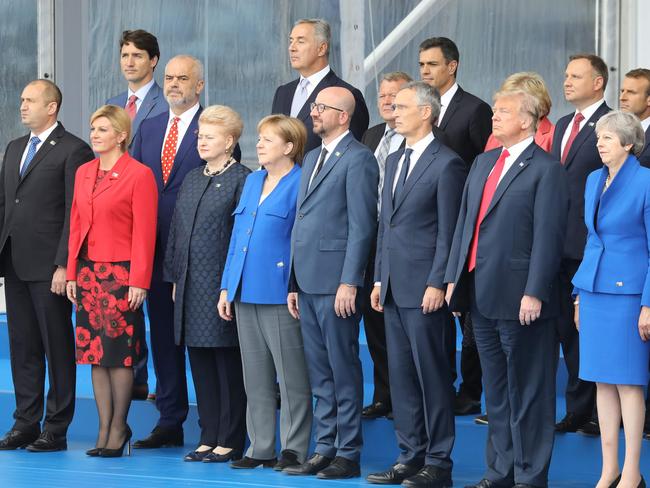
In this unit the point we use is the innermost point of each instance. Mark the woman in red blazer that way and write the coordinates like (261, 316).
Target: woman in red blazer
(533, 84)
(110, 260)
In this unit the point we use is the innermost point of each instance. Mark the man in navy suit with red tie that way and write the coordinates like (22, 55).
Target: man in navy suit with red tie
(574, 144)
(503, 266)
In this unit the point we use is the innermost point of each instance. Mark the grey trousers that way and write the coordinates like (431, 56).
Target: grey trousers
(272, 349)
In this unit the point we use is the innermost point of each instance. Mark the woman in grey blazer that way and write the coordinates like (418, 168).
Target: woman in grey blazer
(196, 253)
(256, 278)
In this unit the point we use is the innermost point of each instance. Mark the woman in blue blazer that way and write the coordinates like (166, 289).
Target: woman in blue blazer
(612, 287)
(256, 278)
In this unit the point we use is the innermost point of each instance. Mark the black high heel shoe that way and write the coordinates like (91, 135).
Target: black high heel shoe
(110, 453)
(641, 483)
(94, 452)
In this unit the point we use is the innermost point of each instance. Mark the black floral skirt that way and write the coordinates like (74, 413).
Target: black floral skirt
(106, 329)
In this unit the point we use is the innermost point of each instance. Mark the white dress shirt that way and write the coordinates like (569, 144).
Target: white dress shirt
(42, 136)
(395, 142)
(183, 124)
(140, 93)
(587, 112)
(445, 100)
(645, 123)
(314, 80)
(418, 148)
(515, 151)
(330, 149)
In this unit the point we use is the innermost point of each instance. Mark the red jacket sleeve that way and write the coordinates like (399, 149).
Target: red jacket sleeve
(75, 230)
(144, 203)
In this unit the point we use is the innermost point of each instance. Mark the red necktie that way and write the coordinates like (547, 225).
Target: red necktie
(131, 108)
(169, 150)
(488, 193)
(574, 133)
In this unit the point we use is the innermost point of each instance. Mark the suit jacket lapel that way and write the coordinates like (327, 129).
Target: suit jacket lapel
(189, 141)
(308, 164)
(145, 107)
(426, 159)
(517, 167)
(620, 183)
(389, 180)
(584, 133)
(330, 162)
(45, 148)
(306, 110)
(453, 106)
(116, 172)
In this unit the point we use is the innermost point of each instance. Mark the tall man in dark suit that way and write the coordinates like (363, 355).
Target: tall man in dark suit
(139, 56)
(574, 145)
(635, 98)
(420, 203)
(36, 186)
(309, 45)
(504, 266)
(466, 121)
(167, 144)
(336, 221)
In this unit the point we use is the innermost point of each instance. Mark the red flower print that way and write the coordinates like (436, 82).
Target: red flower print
(80, 356)
(96, 319)
(123, 304)
(83, 337)
(115, 324)
(89, 357)
(121, 274)
(86, 279)
(106, 302)
(102, 270)
(88, 301)
(111, 285)
(129, 330)
(96, 347)
(128, 362)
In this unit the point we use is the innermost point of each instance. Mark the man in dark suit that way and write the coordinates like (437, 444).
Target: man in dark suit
(336, 221)
(36, 186)
(139, 56)
(167, 144)
(420, 203)
(504, 266)
(466, 121)
(635, 98)
(574, 145)
(309, 45)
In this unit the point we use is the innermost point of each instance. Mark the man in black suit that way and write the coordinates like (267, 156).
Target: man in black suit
(503, 266)
(635, 98)
(420, 203)
(309, 45)
(466, 121)
(36, 187)
(574, 144)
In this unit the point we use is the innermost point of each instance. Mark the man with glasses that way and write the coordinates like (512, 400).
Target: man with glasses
(336, 221)
(309, 46)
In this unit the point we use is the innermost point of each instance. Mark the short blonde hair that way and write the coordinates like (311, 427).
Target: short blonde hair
(529, 107)
(224, 117)
(118, 118)
(532, 83)
(626, 126)
(289, 129)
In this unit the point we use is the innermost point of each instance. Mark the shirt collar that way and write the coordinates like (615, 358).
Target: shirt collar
(141, 92)
(332, 145)
(445, 99)
(516, 149)
(317, 77)
(187, 116)
(422, 144)
(645, 123)
(591, 109)
(46, 133)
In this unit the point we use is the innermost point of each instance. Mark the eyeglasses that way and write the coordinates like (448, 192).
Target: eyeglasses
(395, 107)
(321, 107)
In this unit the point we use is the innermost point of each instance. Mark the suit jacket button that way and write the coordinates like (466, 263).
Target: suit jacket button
(17, 200)
(300, 216)
(619, 283)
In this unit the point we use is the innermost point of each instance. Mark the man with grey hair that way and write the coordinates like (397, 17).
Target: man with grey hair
(420, 202)
(167, 144)
(309, 46)
(511, 224)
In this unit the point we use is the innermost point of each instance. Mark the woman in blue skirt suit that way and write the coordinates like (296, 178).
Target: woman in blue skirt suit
(612, 287)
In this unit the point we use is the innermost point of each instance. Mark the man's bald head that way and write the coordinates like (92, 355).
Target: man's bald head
(344, 97)
(332, 112)
(51, 92)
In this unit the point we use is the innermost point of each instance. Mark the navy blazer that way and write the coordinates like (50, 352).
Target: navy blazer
(415, 232)
(336, 218)
(644, 157)
(616, 257)
(467, 125)
(583, 158)
(260, 245)
(521, 236)
(284, 97)
(154, 103)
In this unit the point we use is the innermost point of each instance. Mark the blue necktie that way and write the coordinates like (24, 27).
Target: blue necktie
(403, 174)
(31, 152)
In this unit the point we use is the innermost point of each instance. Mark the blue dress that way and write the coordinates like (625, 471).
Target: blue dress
(612, 280)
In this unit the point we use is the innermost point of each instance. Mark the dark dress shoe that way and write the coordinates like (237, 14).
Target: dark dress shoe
(375, 410)
(590, 428)
(340, 468)
(287, 458)
(487, 484)
(466, 406)
(250, 463)
(140, 392)
(15, 439)
(430, 477)
(570, 422)
(232, 455)
(481, 419)
(310, 467)
(394, 475)
(94, 452)
(196, 456)
(161, 437)
(48, 442)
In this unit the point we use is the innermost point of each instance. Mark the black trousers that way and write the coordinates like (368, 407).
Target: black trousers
(470, 365)
(580, 395)
(40, 327)
(220, 395)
